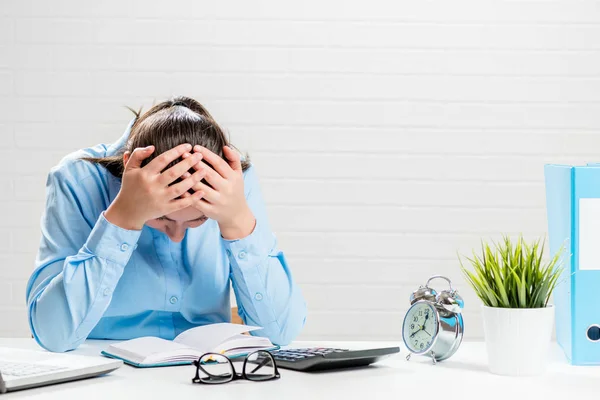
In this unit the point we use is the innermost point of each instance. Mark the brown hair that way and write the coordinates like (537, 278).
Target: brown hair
(167, 125)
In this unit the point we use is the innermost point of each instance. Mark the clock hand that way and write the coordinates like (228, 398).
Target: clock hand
(417, 331)
(422, 328)
(424, 322)
(414, 333)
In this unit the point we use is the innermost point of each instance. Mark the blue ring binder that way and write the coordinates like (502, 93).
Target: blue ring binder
(573, 212)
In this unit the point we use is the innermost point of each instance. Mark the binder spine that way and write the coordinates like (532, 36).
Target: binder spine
(573, 207)
(585, 280)
(559, 202)
(570, 266)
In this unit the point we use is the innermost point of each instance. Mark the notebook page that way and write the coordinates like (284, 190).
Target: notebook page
(206, 338)
(140, 349)
(244, 344)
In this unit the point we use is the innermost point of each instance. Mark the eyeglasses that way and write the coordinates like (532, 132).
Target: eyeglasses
(215, 368)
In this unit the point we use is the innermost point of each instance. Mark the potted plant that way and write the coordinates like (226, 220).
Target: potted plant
(515, 284)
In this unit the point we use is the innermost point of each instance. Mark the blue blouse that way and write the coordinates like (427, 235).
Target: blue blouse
(96, 280)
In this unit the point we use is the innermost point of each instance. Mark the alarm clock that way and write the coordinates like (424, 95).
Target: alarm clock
(433, 325)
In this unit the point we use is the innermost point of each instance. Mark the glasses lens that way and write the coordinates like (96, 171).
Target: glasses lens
(215, 368)
(260, 366)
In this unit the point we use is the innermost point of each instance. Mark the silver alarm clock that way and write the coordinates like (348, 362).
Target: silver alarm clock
(433, 325)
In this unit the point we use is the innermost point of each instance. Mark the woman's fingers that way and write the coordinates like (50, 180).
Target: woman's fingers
(219, 165)
(177, 170)
(199, 164)
(161, 162)
(211, 176)
(138, 155)
(210, 194)
(203, 206)
(183, 202)
(235, 161)
(187, 183)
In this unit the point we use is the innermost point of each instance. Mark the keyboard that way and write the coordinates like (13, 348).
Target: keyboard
(26, 369)
(322, 358)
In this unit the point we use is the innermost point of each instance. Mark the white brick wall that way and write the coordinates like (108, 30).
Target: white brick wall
(388, 134)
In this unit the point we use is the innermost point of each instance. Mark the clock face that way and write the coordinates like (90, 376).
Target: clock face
(420, 327)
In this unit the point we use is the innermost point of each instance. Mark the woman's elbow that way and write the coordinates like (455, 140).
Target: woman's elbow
(51, 336)
(290, 329)
(288, 334)
(54, 343)
(56, 346)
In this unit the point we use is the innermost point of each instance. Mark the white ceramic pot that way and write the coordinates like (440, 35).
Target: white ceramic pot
(518, 339)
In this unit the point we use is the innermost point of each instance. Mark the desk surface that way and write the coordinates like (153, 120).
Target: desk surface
(465, 375)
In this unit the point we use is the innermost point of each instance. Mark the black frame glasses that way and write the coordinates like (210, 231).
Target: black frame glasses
(232, 375)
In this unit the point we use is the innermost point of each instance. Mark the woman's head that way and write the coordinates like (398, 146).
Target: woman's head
(165, 126)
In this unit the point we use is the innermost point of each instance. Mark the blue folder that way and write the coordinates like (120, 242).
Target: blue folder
(573, 211)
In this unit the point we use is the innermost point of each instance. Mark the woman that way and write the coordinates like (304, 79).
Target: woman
(142, 238)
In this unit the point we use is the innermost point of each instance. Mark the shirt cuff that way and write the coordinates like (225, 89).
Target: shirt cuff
(112, 242)
(251, 250)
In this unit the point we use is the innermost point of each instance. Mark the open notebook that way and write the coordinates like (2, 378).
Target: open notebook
(188, 346)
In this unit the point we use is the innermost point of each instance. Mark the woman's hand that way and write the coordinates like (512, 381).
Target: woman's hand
(225, 202)
(145, 192)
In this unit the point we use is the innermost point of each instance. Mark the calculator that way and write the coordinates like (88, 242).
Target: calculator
(322, 358)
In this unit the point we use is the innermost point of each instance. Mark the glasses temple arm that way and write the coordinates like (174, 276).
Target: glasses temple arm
(262, 364)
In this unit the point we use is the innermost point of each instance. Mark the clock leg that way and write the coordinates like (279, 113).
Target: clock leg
(433, 358)
(408, 357)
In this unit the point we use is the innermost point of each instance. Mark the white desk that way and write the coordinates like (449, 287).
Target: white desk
(464, 376)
